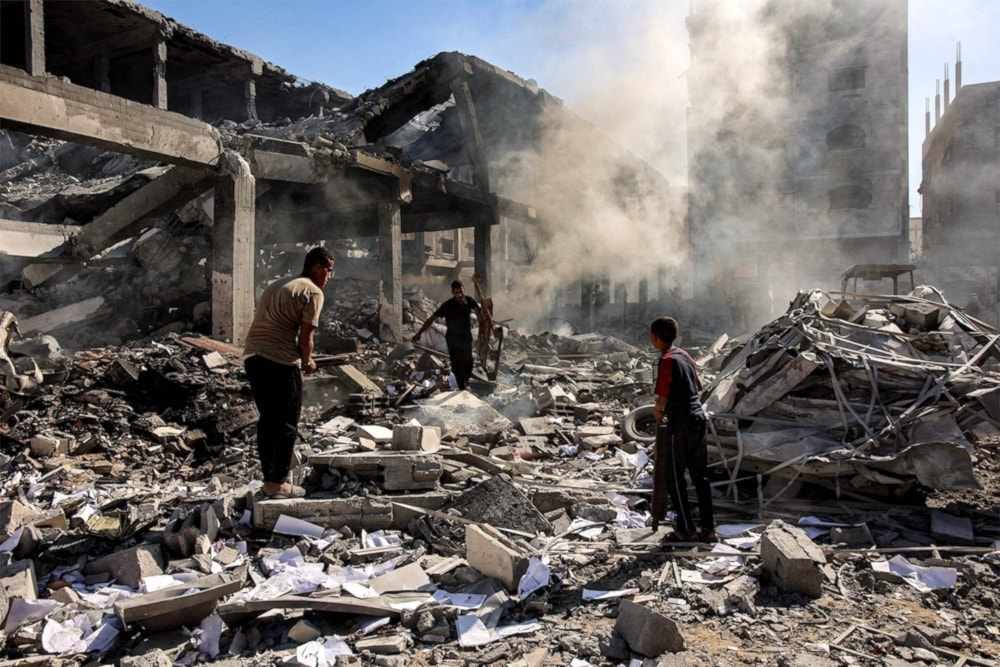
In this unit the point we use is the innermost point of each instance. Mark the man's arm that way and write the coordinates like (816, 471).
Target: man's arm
(306, 330)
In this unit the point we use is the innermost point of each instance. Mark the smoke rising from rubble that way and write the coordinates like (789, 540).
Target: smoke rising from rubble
(628, 77)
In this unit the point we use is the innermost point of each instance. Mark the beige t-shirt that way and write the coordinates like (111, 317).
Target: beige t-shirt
(284, 305)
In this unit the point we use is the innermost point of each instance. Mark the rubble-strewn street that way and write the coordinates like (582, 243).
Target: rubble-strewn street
(507, 525)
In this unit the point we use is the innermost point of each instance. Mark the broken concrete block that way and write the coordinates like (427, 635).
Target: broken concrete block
(923, 316)
(155, 658)
(379, 434)
(794, 562)
(156, 250)
(130, 565)
(18, 580)
(394, 471)
(50, 443)
(463, 413)
(410, 437)
(647, 632)
(12, 516)
(303, 631)
(354, 381)
(497, 502)
(951, 529)
(355, 513)
(487, 550)
(386, 645)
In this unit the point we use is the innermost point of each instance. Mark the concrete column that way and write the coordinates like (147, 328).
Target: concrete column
(250, 98)
(233, 250)
(390, 252)
(102, 73)
(160, 73)
(483, 242)
(644, 291)
(34, 38)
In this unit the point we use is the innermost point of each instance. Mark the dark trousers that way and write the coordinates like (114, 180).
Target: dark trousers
(277, 391)
(461, 361)
(683, 446)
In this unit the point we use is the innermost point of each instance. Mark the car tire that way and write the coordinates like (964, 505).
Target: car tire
(639, 425)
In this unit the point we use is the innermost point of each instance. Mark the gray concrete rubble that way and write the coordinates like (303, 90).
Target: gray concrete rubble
(507, 524)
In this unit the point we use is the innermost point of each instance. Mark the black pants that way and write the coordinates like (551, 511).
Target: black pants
(684, 443)
(460, 353)
(277, 391)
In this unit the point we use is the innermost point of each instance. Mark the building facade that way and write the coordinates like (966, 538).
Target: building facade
(797, 144)
(961, 196)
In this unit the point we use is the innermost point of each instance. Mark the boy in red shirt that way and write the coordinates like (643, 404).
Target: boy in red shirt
(680, 438)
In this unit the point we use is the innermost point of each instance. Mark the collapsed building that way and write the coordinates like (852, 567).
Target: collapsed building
(440, 527)
(456, 145)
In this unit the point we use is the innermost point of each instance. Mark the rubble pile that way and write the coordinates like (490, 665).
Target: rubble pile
(501, 526)
(881, 395)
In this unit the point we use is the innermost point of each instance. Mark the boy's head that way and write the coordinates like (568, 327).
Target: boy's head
(664, 331)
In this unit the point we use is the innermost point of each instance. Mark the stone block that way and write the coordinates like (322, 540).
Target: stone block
(394, 471)
(13, 514)
(792, 560)
(356, 513)
(647, 632)
(50, 444)
(487, 550)
(129, 566)
(18, 580)
(415, 437)
(384, 645)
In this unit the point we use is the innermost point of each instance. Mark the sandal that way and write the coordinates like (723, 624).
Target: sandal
(709, 536)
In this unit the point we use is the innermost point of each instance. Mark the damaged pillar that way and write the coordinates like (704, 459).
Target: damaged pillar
(34, 38)
(233, 249)
(391, 271)
(483, 251)
(160, 73)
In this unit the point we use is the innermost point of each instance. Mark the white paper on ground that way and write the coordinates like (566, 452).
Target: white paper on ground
(157, 582)
(209, 633)
(314, 654)
(359, 590)
(589, 594)
(369, 625)
(22, 611)
(472, 631)
(290, 525)
(460, 600)
(924, 579)
(537, 576)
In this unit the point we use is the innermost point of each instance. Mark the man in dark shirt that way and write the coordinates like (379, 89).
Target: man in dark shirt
(680, 437)
(456, 312)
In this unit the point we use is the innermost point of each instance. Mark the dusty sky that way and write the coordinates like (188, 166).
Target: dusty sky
(620, 63)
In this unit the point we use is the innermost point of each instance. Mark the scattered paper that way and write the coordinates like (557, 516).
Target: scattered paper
(536, 577)
(290, 525)
(924, 579)
(589, 594)
(460, 600)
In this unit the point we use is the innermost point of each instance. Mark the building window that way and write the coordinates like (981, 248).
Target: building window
(447, 247)
(852, 78)
(845, 138)
(849, 197)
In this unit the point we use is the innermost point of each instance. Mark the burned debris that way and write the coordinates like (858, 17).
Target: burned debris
(509, 524)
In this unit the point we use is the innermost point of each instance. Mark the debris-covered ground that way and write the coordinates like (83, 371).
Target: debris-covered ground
(507, 525)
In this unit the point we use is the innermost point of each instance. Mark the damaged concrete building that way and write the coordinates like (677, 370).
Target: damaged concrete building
(797, 145)
(155, 178)
(456, 154)
(960, 190)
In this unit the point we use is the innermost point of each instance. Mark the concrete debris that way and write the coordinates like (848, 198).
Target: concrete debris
(459, 524)
(876, 398)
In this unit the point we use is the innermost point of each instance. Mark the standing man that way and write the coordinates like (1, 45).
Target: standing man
(279, 350)
(457, 312)
(680, 438)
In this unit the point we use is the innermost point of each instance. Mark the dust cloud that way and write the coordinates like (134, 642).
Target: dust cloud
(762, 213)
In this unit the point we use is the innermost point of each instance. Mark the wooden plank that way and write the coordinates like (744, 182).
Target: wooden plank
(50, 107)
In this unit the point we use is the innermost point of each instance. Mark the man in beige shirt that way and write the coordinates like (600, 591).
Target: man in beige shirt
(278, 351)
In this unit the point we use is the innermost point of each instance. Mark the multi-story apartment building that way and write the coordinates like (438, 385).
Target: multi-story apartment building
(797, 144)
(961, 196)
